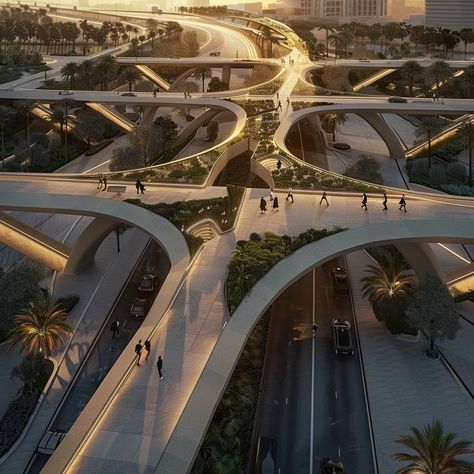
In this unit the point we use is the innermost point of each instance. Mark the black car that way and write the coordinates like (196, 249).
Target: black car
(147, 283)
(341, 334)
(331, 466)
(129, 94)
(339, 281)
(397, 100)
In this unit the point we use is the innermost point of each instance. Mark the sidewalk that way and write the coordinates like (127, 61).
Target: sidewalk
(404, 387)
(97, 287)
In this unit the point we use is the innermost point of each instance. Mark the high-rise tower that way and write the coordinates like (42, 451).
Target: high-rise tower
(452, 14)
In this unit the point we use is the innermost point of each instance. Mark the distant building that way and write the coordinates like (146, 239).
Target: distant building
(198, 3)
(452, 14)
(252, 7)
(351, 8)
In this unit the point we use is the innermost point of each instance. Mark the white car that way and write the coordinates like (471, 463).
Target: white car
(65, 92)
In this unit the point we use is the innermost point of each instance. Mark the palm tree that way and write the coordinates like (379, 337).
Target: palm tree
(410, 70)
(435, 452)
(130, 75)
(70, 71)
(5, 115)
(385, 281)
(202, 73)
(425, 131)
(331, 121)
(41, 328)
(328, 29)
(440, 71)
(466, 35)
(467, 134)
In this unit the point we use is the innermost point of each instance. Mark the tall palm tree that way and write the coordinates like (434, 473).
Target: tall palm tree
(467, 134)
(425, 131)
(41, 328)
(385, 281)
(202, 73)
(435, 451)
(130, 75)
(329, 29)
(410, 70)
(5, 115)
(331, 121)
(70, 72)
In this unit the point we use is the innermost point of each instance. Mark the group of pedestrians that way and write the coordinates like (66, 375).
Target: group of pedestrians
(187, 95)
(102, 182)
(324, 198)
(402, 203)
(273, 201)
(147, 345)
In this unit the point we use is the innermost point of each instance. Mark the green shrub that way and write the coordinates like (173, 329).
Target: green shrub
(457, 171)
(437, 174)
(366, 168)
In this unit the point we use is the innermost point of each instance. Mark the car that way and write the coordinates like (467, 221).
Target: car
(147, 282)
(341, 334)
(331, 466)
(137, 308)
(339, 281)
(128, 94)
(215, 53)
(364, 60)
(397, 100)
(265, 462)
(65, 92)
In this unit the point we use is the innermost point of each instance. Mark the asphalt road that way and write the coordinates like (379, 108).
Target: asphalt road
(339, 424)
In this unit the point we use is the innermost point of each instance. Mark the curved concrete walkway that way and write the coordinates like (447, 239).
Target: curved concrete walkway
(191, 428)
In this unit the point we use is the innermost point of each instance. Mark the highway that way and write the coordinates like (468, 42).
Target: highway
(390, 63)
(326, 417)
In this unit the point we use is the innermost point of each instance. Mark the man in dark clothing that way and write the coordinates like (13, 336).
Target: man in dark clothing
(324, 198)
(147, 348)
(364, 201)
(114, 327)
(139, 186)
(290, 195)
(138, 351)
(159, 365)
(403, 204)
(278, 165)
(385, 199)
(263, 205)
(105, 183)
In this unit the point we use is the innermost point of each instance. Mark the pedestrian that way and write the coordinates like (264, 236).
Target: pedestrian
(115, 328)
(104, 181)
(147, 345)
(434, 96)
(138, 351)
(278, 95)
(139, 186)
(263, 205)
(324, 198)
(99, 184)
(271, 194)
(159, 365)
(185, 95)
(279, 105)
(287, 101)
(385, 199)
(276, 205)
(403, 203)
(315, 328)
(364, 201)
(278, 165)
(142, 188)
(154, 92)
(290, 195)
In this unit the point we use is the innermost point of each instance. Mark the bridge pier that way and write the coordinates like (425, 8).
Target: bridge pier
(226, 70)
(378, 123)
(422, 259)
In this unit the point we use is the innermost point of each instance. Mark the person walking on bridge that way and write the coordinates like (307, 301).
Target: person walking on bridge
(147, 345)
(138, 351)
(101, 180)
(139, 186)
(403, 203)
(364, 201)
(385, 199)
(324, 198)
(104, 182)
(159, 366)
(263, 205)
(290, 195)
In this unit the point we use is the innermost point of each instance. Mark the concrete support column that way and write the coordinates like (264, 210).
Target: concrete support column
(378, 123)
(83, 253)
(226, 70)
(422, 259)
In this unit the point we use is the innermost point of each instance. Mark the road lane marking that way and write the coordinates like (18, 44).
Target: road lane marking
(335, 393)
(286, 401)
(339, 452)
(312, 382)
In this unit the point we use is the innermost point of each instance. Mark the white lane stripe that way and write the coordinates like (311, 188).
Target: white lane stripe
(312, 384)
